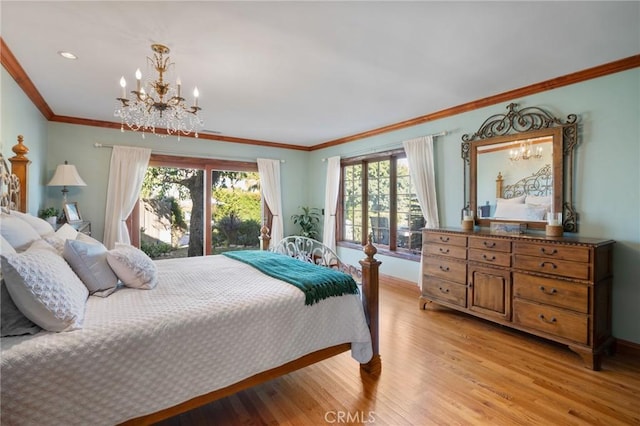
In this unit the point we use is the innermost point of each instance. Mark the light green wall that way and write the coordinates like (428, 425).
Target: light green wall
(607, 177)
(18, 116)
(76, 144)
(607, 190)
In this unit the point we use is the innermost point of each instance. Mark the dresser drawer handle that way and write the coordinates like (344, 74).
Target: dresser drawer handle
(551, 253)
(553, 265)
(488, 244)
(444, 251)
(443, 290)
(550, 321)
(444, 268)
(444, 239)
(545, 291)
(490, 259)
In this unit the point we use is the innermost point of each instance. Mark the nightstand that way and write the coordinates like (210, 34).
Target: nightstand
(83, 226)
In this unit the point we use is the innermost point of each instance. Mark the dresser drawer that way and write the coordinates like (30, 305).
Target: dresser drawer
(445, 291)
(447, 239)
(490, 244)
(446, 269)
(552, 266)
(552, 251)
(552, 320)
(456, 252)
(558, 293)
(490, 257)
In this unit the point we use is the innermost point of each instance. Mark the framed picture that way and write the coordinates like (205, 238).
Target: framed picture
(72, 213)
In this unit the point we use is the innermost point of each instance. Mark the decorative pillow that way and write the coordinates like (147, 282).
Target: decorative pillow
(56, 242)
(12, 321)
(511, 211)
(66, 232)
(133, 267)
(89, 262)
(514, 200)
(536, 212)
(44, 288)
(41, 226)
(87, 239)
(17, 232)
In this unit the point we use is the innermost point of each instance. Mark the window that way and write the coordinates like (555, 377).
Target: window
(378, 199)
(180, 193)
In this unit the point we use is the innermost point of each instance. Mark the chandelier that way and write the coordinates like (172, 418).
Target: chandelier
(525, 152)
(159, 105)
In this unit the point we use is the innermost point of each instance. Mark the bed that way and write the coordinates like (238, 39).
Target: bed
(528, 198)
(210, 326)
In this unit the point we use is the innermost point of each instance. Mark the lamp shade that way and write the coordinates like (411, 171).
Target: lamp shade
(66, 175)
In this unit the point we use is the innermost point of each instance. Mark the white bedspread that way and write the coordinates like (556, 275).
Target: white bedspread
(210, 322)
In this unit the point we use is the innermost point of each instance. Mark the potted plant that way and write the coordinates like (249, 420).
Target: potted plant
(50, 214)
(308, 220)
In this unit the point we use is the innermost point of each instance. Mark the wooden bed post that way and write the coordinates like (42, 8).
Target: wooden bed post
(499, 183)
(370, 290)
(264, 238)
(20, 168)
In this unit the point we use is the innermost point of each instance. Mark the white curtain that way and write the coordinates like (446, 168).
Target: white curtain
(270, 181)
(331, 202)
(126, 173)
(420, 157)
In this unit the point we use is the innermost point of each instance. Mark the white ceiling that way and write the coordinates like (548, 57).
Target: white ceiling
(305, 72)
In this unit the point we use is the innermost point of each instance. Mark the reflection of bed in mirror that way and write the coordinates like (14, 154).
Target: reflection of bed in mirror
(529, 198)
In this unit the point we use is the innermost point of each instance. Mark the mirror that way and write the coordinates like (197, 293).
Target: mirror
(519, 168)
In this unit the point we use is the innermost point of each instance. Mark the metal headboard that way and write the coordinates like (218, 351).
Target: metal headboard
(9, 188)
(313, 251)
(539, 183)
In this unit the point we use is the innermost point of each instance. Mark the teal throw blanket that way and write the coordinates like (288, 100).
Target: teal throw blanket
(317, 282)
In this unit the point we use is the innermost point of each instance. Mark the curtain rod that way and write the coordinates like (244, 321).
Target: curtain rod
(104, 145)
(390, 146)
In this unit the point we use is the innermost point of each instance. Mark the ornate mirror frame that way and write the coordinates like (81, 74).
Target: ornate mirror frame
(528, 123)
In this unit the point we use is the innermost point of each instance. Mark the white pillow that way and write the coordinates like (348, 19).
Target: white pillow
(44, 288)
(17, 232)
(514, 200)
(5, 247)
(66, 232)
(133, 267)
(541, 200)
(41, 226)
(89, 262)
(535, 212)
(511, 211)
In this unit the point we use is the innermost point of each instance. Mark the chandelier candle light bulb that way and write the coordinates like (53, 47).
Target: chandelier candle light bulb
(123, 84)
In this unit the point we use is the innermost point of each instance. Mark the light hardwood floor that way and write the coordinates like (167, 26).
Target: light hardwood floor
(441, 367)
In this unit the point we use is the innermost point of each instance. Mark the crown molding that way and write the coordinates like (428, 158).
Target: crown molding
(13, 67)
(554, 83)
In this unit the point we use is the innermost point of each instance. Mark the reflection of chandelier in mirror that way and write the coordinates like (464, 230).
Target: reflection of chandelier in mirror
(159, 105)
(525, 152)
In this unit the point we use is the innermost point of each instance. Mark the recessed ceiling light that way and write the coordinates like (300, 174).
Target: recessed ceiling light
(67, 55)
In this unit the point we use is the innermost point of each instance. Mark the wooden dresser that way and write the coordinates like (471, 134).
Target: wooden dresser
(556, 288)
